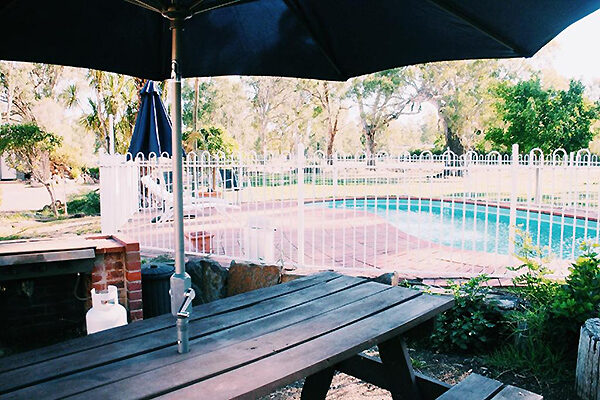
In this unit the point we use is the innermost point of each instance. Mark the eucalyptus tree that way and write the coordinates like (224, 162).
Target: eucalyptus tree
(270, 100)
(461, 91)
(381, 98)
(328, 103)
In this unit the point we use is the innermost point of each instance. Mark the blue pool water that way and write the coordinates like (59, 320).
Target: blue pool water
(464, 226)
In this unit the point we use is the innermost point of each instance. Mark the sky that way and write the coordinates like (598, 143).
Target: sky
(577, 54)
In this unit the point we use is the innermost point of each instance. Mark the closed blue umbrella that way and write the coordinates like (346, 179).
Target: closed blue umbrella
(152, 131)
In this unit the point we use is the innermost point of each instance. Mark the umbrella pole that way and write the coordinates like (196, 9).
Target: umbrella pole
(181, 292)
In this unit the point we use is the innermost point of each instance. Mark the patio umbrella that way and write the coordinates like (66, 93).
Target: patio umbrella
(152, 131)
(323, 39)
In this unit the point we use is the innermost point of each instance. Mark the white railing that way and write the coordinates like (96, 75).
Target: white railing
(349, 211)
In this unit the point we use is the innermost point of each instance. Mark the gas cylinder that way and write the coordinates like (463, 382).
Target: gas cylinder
(106, 312)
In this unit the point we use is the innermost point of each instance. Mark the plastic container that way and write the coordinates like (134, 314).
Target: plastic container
(155, 289)
(106, 312)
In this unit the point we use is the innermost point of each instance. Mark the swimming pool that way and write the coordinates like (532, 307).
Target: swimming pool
(476, 226)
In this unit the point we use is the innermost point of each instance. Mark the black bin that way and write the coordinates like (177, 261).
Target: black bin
(155, 289)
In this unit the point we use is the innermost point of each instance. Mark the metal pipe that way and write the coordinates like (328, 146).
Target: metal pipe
(176, 27)
(180, 281)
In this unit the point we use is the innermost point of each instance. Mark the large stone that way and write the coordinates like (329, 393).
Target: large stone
(209, 279)
(244, 277)
(390, 278)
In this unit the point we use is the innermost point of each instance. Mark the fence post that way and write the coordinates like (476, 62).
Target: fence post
(514, 168)
(107, 193)
(301, 163)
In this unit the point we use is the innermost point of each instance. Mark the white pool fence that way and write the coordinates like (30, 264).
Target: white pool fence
(350, 211)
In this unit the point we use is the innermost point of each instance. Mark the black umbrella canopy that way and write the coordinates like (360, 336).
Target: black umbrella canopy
(320, 39)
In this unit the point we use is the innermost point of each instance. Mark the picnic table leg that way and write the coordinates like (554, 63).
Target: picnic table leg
(398, 369)
(317, 385)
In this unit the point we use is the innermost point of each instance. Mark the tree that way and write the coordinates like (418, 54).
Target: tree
(381, 98)
(548, 119)
(460, 91)
(270, 99)
(28, 150)
(22, 85)
(198, 103)
(327, 105)
(116, 95)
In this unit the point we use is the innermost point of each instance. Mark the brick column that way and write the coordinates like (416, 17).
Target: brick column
(118, 263)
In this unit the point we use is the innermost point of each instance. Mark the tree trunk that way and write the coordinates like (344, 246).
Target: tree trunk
(453, 142)
(587, 374)
(370, 146)
(195, 115)
(48, 187)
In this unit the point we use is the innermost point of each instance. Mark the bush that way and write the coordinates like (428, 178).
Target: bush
(471, 324)
(92, 172)
(578, 299)
(87, 204)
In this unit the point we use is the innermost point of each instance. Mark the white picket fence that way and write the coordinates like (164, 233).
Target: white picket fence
(349, 211)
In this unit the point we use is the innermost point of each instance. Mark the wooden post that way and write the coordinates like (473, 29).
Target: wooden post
(588, 355)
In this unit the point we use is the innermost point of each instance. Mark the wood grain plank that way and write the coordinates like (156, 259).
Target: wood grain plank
(398, 370)
(261, 377)
(116, 351)
(89, 379)
(166, 321)
(212, 363)
(515, 393)
(473, 387)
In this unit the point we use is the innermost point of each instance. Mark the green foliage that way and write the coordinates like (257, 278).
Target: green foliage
(212, 139)
(26, 139)
(87, 204)
(579, 299)
(198, 99)
(533, 283)
(470, 324)
(544, 118)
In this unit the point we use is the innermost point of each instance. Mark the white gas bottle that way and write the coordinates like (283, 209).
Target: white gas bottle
(106, 312)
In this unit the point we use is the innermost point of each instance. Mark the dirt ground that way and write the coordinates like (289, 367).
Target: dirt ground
(450, 368)
(24, 225)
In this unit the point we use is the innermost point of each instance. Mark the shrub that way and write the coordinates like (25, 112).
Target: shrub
(578, 299)
(87, 204)
(533, 284)
(470, 324)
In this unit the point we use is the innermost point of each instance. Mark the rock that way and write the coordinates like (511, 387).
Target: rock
(209, 279)
(244, 277)
(289, 277)
(503, 302)
(391, 278)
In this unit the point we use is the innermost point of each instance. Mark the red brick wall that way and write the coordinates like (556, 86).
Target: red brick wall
(118, 263)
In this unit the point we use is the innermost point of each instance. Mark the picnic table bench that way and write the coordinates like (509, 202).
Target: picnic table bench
(243, 346)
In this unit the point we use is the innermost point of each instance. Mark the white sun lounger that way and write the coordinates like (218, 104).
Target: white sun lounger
(191, 205)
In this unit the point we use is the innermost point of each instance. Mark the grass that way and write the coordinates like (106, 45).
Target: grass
(537, 359)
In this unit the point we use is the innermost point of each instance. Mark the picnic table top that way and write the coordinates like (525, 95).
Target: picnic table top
(242, 346)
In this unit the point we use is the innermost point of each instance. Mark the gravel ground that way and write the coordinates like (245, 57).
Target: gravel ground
(450, 368)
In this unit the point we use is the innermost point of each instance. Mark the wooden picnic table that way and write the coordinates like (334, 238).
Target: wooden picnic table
(243, 346)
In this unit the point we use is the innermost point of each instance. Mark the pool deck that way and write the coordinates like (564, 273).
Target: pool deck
(351, 241)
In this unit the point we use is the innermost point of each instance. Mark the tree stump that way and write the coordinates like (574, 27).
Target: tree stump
(588, 357)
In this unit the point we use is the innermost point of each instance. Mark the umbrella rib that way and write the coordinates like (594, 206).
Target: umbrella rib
(151, 5)
(196, 8)
(320, 44)
(460, 14)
